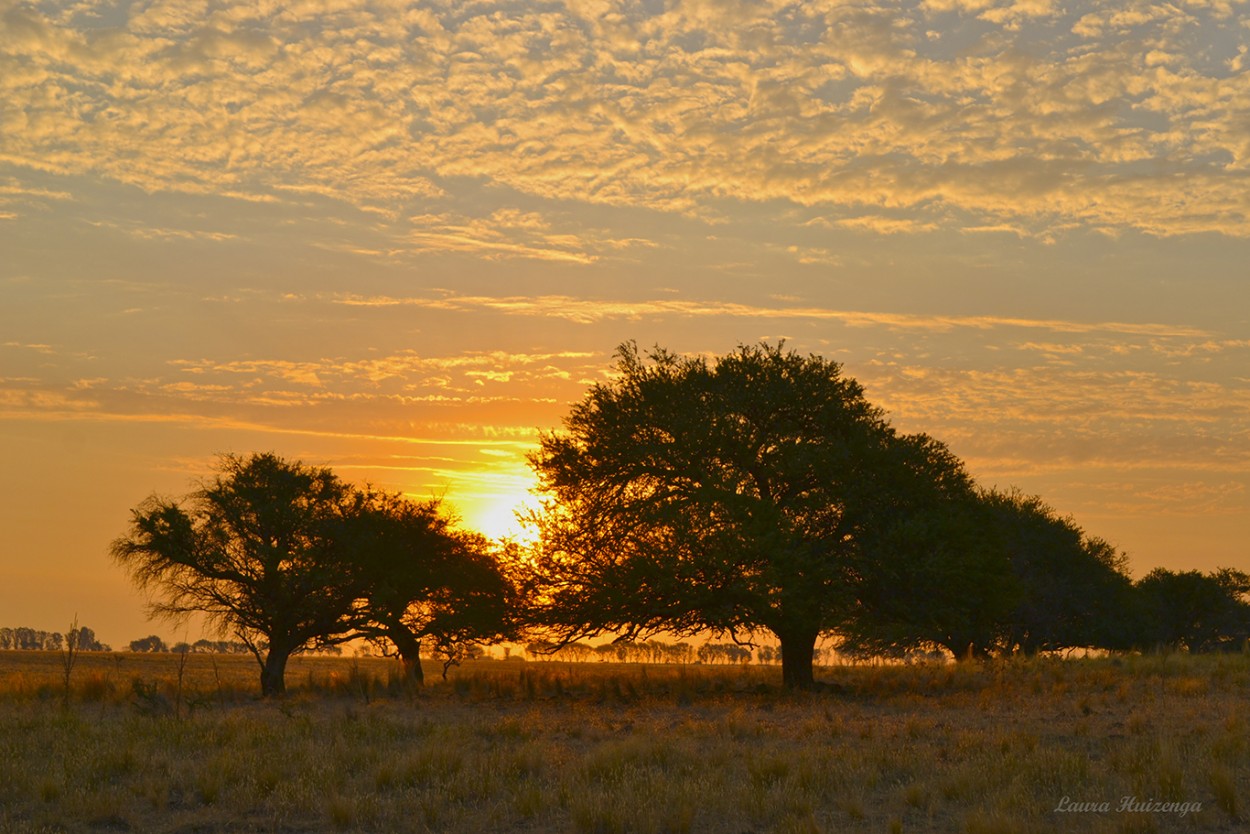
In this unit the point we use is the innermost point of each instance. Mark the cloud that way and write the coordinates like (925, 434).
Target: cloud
(1105, 116)
(506, 234)
(586, 311)
(1073, 412)
(883, 225)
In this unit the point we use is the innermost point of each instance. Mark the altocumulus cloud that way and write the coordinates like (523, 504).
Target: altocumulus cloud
(1026, 115)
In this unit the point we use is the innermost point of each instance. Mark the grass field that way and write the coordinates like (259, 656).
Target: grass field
(525, 746)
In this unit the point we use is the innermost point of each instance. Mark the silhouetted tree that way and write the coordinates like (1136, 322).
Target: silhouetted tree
(419, 579)
(1074, 589)
(87, 641)
(686, 496)
(766, 654)
(987, 572)
(939, 575)
(577, 652)
(1195, 611)
(149, 644)
(206, 646)
(30, 639)
(723, 653)
(258, 551)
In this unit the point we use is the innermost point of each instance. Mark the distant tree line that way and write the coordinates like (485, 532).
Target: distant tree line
(30, 639)
(758, 496)
(658, 651)
(154, 643)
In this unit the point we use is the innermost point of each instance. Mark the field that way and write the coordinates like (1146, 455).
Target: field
(1016, 746)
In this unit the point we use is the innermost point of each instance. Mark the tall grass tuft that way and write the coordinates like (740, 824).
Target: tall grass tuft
(69, 657)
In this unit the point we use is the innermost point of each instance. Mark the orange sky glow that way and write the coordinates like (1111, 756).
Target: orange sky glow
(400, 239)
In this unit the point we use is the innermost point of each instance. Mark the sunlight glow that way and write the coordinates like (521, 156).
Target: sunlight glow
(494, 505)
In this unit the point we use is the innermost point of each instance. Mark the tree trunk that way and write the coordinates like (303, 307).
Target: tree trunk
(409, 648)
(798, 649)
(273, 673)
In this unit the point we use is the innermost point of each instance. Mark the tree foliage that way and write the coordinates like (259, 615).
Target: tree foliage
(422, 580)
(991, 572)
(30, 639)
(937, 576)
(288, 558)
(731, 496)
(1074, 589)
(152, 643)
(257, 550)
(1195, 611)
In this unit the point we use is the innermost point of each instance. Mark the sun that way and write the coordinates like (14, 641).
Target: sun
(496, 516)
(492, 508)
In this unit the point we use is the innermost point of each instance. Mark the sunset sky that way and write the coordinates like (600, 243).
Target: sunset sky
(400, 239)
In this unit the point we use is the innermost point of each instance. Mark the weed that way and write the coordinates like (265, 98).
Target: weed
(341, 812)
(96, 687)
(69, 657)
(1223, 784)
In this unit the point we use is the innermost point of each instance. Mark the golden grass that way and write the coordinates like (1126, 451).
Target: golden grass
(517, 746)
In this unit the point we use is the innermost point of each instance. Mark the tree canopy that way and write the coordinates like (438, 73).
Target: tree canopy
(731, 496)
(1195, 611)
(258, 551)
(421, 579)
(288, 558)
(990, 572)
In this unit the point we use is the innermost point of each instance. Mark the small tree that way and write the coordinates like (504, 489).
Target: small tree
(149, 644)
(1195, 611)
(257, 549)
(421, 580)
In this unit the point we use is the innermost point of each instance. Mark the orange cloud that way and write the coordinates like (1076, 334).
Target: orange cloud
(585, 311)
(1088, 116)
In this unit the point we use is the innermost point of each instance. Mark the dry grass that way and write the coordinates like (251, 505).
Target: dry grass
(513, 746)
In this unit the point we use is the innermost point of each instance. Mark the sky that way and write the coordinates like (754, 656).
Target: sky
(401, 239)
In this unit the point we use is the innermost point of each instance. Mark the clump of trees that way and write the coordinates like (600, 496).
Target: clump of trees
(995, 573)
(1194, 611)
(287, 558)
(755, 495)
(650, 651)
(30, 639)
(760, 493)
(153, 643)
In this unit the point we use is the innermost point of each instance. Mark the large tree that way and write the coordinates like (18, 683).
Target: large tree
(258, 550)
(731, 496)
(421, 579)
